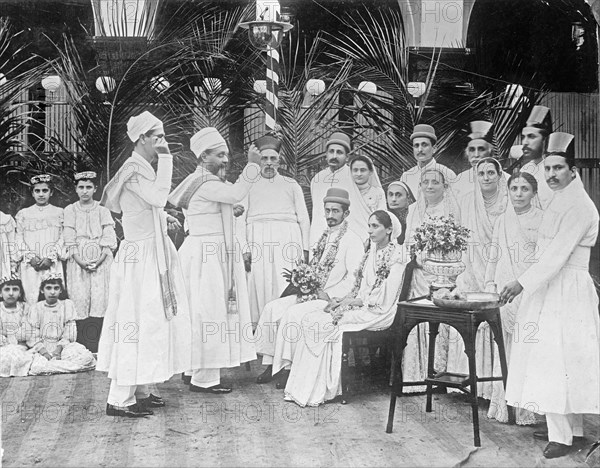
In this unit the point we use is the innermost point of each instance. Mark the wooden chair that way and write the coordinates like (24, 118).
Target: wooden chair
(382, 339)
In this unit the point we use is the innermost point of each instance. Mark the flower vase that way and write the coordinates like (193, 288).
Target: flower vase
(446, 266)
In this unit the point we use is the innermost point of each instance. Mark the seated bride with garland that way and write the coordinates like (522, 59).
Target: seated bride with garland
(315, 375)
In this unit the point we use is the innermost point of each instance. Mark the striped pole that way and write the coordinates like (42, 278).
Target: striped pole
(272, 88)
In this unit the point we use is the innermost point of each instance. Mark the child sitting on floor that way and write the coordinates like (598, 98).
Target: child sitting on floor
(53, 323)
(15, 360)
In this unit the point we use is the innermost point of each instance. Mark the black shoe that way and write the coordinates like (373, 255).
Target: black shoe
(266, 376)
(152, 401)
(283, 376)
(555, 450)
(132, 411)
(543, 435)
(215, 389)
(186, 379)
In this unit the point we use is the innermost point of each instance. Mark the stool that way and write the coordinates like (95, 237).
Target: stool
(466, 323)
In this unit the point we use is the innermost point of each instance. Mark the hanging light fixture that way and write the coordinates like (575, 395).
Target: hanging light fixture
(51, 83)
(367, 87)
(105, 84)
(315, 87)
(416, 88)
(260, 86)
(266, 32)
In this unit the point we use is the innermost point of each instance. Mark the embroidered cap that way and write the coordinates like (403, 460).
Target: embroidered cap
(424, 131)
(337, 195)
(340, 138)
(85, 175)
(42, 178)
(481, 130)
(206, 139)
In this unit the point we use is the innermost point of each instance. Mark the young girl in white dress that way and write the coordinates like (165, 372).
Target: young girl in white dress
(39, 237)
(52, 320)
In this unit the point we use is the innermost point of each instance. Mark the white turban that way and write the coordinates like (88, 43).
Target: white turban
(142, 124)
(206, 139)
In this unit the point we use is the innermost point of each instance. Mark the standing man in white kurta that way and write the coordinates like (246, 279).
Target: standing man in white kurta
(557, 370)
(423, 140)
(146, 332)
(534, 138)
(338, 253)
(212, 263)
(277, 228)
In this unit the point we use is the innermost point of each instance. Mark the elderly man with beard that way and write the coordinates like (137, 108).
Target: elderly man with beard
(212, 264)
(557, 373)
(277, 228)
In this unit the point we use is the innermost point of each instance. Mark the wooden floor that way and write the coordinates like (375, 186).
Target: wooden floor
(59, 421)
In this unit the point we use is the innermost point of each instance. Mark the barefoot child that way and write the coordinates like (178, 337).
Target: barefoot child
(53, 322)
(39, 237)
(90, 238)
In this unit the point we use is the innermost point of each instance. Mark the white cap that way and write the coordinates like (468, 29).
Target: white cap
(205, 139)
(141, 124)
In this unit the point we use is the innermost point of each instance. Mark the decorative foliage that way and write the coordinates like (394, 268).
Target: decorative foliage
(441, 234)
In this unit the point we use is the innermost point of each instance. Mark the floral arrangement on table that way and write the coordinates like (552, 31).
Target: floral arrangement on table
(441, 235)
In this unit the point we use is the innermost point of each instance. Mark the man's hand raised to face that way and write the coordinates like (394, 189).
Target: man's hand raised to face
(161, 146)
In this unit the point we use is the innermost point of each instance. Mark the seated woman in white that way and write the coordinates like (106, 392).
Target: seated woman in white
(315, 376)
(515, 240)
(435, 198)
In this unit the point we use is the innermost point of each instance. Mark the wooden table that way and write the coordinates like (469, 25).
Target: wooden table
(466, 322)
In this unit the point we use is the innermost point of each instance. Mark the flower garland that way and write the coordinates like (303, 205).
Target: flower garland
(382, 271)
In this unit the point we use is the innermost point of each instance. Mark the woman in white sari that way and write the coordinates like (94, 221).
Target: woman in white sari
(435, 198)
(316, 368)
(515, 238)
(366, 195)
(479, 209)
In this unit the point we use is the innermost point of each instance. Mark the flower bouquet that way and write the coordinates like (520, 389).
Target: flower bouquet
(304, 278)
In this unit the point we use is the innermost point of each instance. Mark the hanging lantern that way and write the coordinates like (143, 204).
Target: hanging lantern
(416, 88)
(367, 87)
(160, 84)
(315, 87)
(260, 86)
(105, 84)
(51, 83)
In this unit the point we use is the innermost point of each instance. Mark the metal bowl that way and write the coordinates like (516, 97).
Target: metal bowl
(473, 301)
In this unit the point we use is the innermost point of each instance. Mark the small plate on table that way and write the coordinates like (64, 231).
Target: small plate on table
(471, 301)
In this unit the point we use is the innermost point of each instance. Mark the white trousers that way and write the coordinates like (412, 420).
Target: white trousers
(126, 395)
(562, 427)
(206, 377)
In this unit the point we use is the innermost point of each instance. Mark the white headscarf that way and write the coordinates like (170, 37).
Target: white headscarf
(206, 139)
(142, 124)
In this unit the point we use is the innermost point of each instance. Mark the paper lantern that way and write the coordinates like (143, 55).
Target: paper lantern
(260, 86)
(51, 83)
(367, 87)
(105, 84)
(315, 87)
(416, 88)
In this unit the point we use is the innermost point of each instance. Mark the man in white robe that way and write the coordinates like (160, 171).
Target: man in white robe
(212, 263)
(337, 174)
(423, 140)
(338, 252)
(557, 370)
(534, 138)
(146, 332)
(480, 146)
(277, 228)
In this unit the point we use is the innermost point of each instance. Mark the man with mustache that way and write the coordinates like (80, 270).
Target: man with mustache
(277, 228)
(557, 370)
(423, 141)
(534, 137)
(212, 265)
